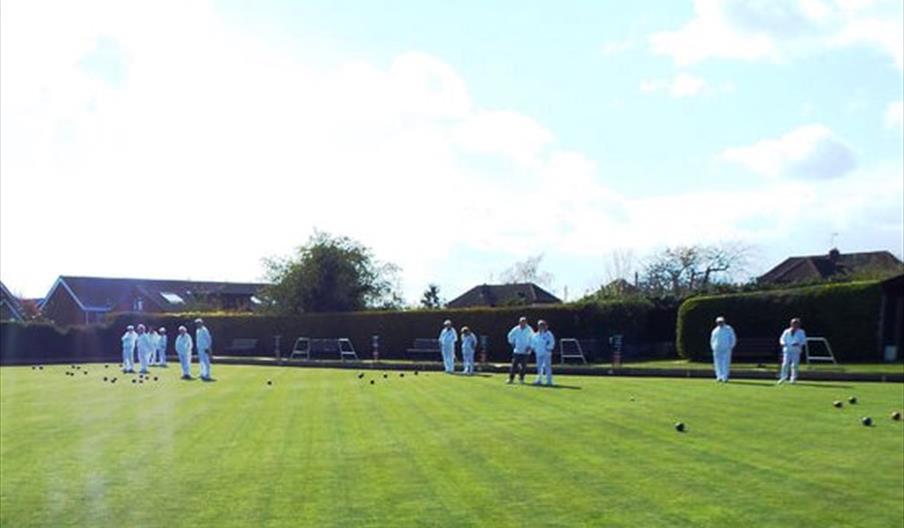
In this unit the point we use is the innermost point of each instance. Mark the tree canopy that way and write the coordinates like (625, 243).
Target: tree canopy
(331, 274)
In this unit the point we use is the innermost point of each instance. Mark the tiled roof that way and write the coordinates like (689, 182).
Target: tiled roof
(104, 293)
(817, 267)
(504, 294)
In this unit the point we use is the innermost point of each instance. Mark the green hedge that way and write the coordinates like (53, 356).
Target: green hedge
(639, 321)
(846, 314)
(32, 343)
(397, 330)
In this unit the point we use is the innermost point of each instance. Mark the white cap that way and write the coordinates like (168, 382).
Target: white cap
(720, 319)
(199, 321)
(183, 329)
(163, 329)
(130, 327)
(447, 322)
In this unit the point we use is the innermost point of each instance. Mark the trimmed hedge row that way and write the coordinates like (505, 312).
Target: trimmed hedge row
(846, 314)
(22, 343)
(639, 321)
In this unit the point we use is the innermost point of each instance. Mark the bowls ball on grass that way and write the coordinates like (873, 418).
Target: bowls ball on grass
(679, 426)
(852, 400)
(896, 416)
(269, 382)
(837, 404)
(867, 421)
(371, 382)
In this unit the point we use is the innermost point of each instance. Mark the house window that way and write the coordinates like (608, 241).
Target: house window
(172, 298)
(138, 305)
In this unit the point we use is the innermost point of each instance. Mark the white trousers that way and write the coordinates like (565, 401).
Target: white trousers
(161, 356)
(449, 358)
(544, 368)
(468, 358)
(144, 358)
(790, 360)
(127, 359)
(185, 363)
(722, 363)
(204, 361)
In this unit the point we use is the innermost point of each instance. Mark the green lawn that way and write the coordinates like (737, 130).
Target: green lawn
(322, 448)
(859, 368)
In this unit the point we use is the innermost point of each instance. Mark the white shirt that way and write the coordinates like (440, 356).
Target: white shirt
(129, 339)
(161, 342)
(203, 339)
(722, 339)
(183, 344)
(519, 338)
(468, 343)
(793, 342)
(543, 343)
(448, 337)
(145, 343)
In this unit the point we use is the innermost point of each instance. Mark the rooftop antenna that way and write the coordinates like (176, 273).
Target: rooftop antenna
(832, 240)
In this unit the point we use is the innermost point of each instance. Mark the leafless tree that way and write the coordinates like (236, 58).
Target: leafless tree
(684, 269)
(527, 270)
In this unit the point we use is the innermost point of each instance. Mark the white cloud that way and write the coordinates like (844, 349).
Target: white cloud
(682, 85)
(808, 152)
(777, 31)
(617, 47)
(894, 115)
(216, 148)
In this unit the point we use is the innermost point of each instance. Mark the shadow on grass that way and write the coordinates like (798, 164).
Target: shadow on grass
(828, 385)
(554, 387)
(774, 384)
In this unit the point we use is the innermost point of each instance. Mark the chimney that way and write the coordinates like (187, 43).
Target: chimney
(834, 254)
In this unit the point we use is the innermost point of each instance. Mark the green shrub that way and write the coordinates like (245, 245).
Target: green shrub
(639, 321)
(397, 330)
(847, 314)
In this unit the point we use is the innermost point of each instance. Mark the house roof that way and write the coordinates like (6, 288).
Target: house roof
(102, 294)
(11, 301)
(817, 267)
(503, 294)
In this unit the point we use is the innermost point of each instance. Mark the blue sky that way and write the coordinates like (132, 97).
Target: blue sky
(191, 139)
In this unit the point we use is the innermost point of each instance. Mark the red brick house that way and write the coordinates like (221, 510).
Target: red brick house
(10, 306)
(87, 300)
(815, 268)
(521, 294)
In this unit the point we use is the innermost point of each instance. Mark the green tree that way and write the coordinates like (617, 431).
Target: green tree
(431, 298)
(331, 274)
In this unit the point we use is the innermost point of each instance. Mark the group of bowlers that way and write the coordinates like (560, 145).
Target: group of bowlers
(150, 348)
(722, 341)
(139, 345)
(523, 339)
